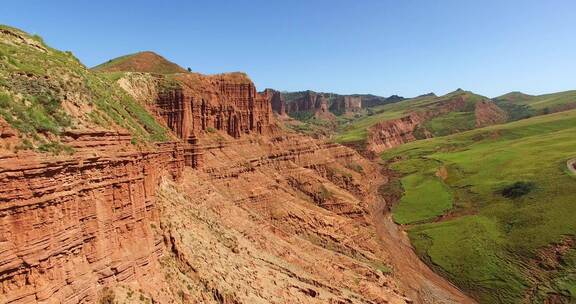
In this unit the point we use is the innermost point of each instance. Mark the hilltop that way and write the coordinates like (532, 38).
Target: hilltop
(146, 62)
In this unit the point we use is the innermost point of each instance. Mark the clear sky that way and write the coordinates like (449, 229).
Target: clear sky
(384, 47)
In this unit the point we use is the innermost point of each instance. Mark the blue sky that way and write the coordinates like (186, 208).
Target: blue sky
(405, 47)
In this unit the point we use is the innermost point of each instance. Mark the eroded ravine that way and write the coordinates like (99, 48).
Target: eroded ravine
(422, 283)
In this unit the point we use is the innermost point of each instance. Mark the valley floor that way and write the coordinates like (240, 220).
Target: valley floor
(493, 210)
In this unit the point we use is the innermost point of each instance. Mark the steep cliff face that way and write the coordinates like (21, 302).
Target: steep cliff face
(311, 102)
(72, 224)
(277, 101)
(346, 104)
(191, 104)
(284, 219)
(392, 133)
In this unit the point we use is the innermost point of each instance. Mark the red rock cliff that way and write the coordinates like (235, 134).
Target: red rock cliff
(72, 224)
(227, 103)
(277, 101)
(345, 104)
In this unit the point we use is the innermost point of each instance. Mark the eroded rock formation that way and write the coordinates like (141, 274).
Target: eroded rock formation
(277, 101)
(219, 102)
(72, 224)
(346, 104)
(311, 102)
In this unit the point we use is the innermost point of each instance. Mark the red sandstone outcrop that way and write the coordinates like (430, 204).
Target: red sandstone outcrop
(488, 113)
(264, 217)
(72, 224)
(346, 104)
(227, 102)
(311, 102)
(281, 219)
(277, 101)
(392, 133)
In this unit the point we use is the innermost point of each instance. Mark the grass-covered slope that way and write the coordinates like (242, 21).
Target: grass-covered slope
(494, 209)
(146, 62)
(541, 104)
(357, 130)
(44, 92)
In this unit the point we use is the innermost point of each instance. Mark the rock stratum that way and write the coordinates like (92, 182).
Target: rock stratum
(181, 188)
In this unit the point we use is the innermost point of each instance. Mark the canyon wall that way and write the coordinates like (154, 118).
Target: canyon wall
(207, 103)
(277, 101)
(72, 224)
(287, 219)
(311, 102)
(346, 104)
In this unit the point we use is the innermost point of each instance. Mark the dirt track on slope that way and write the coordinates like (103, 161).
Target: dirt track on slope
(424, 285)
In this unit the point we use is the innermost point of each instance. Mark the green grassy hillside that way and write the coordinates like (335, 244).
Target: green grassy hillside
(541, 104)
(493, 209)
(44, 92)
(357, 130)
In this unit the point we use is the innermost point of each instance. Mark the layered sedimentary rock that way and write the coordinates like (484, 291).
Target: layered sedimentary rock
(191, 104)
(227, 103)
(277, 101)
(346, 104)
(311, 102)
(284, 219)
(72, 224)
(392, 133)
(265, 217)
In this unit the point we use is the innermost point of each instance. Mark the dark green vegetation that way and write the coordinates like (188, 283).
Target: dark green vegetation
(493, 209)
(44, 92)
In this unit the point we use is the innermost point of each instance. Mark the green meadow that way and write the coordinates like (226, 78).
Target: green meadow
(503, 199)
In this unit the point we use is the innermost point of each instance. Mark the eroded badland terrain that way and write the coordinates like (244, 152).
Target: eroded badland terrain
(140, 182)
